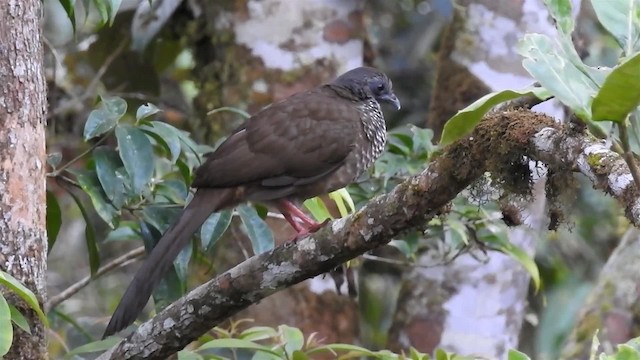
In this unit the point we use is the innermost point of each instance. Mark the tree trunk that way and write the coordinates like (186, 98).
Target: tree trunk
(464, 304)
(23, 238)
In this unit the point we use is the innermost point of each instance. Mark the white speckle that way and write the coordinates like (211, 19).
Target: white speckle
(260, 86)
(189, 308)
(307, 244)
(338, 225)
(276, 271)
(618, 183)
(168, 323)
(370, 221)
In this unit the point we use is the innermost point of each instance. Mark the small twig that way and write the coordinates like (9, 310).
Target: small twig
(57, 172)
(400, 262)
(628, 154)
(113, 264)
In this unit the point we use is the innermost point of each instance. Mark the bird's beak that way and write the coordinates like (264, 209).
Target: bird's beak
(391, 98)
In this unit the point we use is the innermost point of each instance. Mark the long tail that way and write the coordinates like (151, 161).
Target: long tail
(204, 202)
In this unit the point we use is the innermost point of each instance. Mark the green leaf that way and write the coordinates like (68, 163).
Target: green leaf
(626, 352)
(214, 227)
(342, 198)
(235, 344)
(90, 236)
(499, 240)
(71, 321)
(69, 8)
(109, 169)
(620, 93)
(6, 330)
(342, 348)
(621, 18)
(317, 208)
(127, 230)
(257, 230)
(136, 153)
(292, 337)
(96, 346)
(189, 355)
(19, 319)
(24, 293)
(466, 119)
(555, 71)
(54, 219)
(181, 263)
(167, 135)
(146, 110)
(90, 184)
(258, 333)
(560, 10)
(105, 117)
(517, 355)
(112, 10)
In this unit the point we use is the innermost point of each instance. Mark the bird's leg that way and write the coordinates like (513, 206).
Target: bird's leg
(305, 226)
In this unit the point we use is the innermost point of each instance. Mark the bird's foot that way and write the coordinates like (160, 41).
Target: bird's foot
(303, 231)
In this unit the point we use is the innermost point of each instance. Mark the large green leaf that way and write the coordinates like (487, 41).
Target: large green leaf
(560, 10)
(466, 119)
(555, 71)
(146, 110)
(6, 329)
(136, 153)
(19, 319)
(257, 230)
(498, 239)
(96, 346)
(69, 8)
(214, 227)
(517, 355)
(112, 9)
(105, 117)
(235, 344)
(110, 172)
(181, 263)
(90, 236)
(54, 219)
(622, 19)
(293, 339)
(90, 184)
(24, 293)
(620, 93)
(167, 135)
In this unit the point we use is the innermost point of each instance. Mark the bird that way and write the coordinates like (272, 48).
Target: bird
(309, 144)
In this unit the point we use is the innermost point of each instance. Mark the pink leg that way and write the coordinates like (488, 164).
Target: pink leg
(306, 225)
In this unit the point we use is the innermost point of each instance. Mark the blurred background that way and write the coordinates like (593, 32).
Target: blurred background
(432, 288)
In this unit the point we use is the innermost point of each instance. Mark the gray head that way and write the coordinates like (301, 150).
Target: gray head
(368, 83)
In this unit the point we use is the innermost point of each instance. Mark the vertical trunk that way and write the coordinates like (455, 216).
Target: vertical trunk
(23, 240)
(469, 307)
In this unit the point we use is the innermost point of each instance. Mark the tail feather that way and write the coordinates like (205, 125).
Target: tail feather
(204, 202)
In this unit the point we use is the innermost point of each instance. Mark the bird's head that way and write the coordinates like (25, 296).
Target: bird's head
(368, 83)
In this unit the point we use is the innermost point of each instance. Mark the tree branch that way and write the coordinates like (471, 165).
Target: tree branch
(410, 204)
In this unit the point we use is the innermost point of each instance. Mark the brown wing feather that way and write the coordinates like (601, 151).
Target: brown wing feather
(305, 136)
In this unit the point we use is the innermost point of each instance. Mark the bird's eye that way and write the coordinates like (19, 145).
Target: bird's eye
(380, 87)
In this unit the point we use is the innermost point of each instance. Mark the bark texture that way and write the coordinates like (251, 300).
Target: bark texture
(23, 239)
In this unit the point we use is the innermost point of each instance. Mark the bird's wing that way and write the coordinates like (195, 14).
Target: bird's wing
(292, 142)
